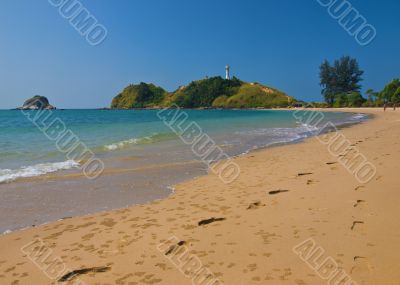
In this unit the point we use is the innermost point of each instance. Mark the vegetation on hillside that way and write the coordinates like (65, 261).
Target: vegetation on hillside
(211, 92)
(202, 93)
(254, 96)
(139, 96)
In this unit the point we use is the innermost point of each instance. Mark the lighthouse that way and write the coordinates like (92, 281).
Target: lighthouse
(227, 72)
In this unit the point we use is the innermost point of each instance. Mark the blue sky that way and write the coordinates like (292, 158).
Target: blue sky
(280, 43)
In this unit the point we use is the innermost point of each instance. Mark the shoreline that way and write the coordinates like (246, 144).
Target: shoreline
(252, 242)
(68, 176)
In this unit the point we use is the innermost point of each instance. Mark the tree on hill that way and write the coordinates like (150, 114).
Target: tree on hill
(202, 93)
(341, 77)
(139, 96)
(148, 93)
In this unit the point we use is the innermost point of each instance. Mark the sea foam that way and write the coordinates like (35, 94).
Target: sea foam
(8, 175)
(153, 138)
(125, 143)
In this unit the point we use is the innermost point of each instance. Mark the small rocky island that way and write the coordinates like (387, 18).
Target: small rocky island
(37, 103)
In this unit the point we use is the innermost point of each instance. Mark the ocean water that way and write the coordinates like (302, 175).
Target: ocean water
(25, 151)
(142, 156)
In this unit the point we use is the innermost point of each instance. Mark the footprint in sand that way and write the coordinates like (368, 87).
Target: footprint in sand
(255, 205)
(277, 192)
(361, 265)
(73, 274)
(175, 247)
(356, 224)
(311, 181)
(359, 188)
(359, 203)
(210, 221)
(304, 174)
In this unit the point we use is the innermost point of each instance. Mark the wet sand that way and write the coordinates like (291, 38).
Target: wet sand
(242, 233)
(125, 182)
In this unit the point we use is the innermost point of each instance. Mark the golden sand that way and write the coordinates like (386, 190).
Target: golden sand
(241, 233)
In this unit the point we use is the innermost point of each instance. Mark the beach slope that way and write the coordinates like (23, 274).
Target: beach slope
(295, 215)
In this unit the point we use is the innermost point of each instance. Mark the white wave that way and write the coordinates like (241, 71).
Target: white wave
(265, 137)
(310, 128)
(288, 132)
(125, 143)
(8, 175)
(359, 116)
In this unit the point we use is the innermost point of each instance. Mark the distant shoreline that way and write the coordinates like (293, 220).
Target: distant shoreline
(206, 108)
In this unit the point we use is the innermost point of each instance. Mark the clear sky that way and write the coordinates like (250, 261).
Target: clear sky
(280, 43)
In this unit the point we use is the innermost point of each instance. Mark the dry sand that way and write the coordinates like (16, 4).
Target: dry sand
(357, 225)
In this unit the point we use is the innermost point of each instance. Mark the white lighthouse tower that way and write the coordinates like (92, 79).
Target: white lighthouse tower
(227, 72)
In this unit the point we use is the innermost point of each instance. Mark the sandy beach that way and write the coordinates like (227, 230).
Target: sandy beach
(287, 201)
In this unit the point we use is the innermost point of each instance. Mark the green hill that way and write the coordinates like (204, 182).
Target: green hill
(142, 95)
(211, 92)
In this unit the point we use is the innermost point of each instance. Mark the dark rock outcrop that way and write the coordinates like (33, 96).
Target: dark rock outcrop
(37, 103)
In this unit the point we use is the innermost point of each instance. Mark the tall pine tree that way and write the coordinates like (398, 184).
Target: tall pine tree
(343, 77)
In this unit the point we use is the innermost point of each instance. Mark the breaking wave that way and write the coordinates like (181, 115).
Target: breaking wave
(8, 175)
(156, 137)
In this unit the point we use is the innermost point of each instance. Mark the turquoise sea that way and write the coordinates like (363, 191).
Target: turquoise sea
(142, 156)
(25, 151)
